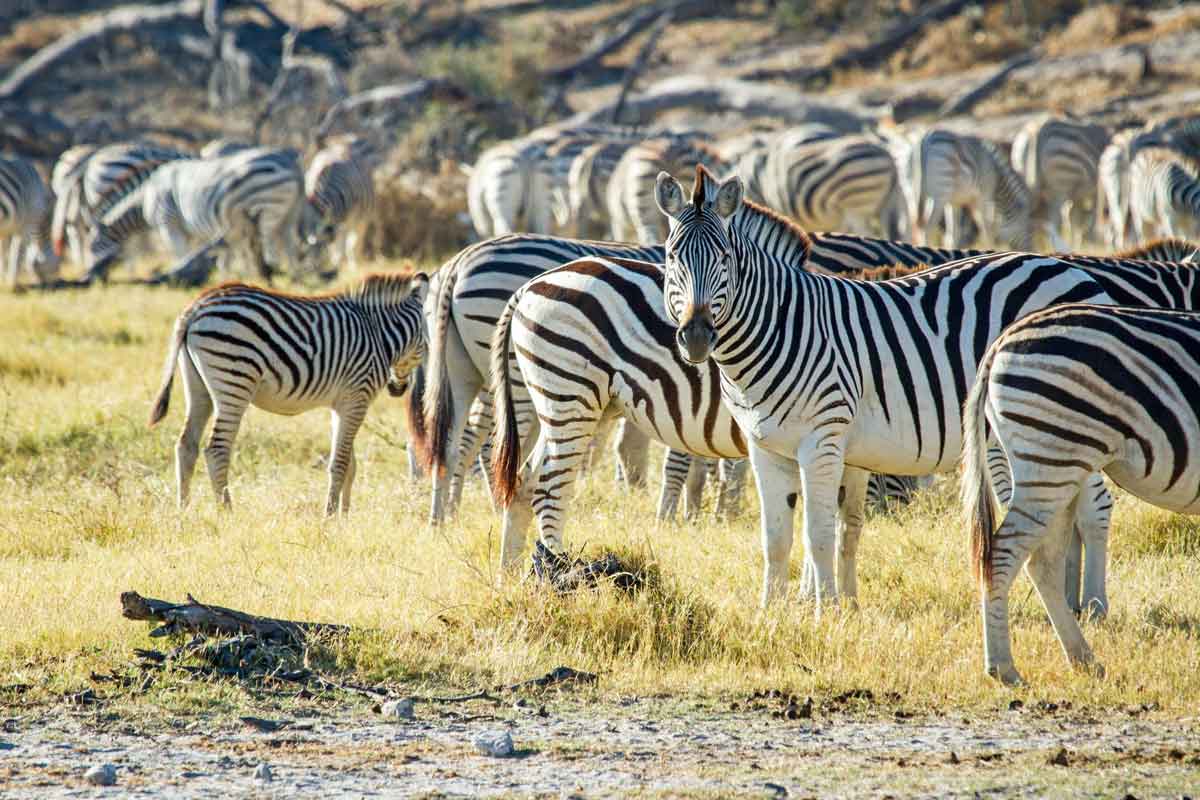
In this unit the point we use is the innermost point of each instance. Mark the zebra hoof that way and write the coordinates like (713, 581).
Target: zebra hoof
(1007, 675)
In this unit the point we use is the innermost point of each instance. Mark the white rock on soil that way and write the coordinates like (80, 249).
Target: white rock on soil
(498, 744)
(263, 773)
(399, 709)
(101, 775)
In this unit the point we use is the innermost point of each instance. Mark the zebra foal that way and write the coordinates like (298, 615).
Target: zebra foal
(1070, 391)
(240, 345)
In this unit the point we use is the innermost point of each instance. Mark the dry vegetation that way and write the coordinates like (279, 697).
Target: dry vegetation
(89, 513)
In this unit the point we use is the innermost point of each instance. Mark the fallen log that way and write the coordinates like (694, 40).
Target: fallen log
(964, 101)
(194, 616)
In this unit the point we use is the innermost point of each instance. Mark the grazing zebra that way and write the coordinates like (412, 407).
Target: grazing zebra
(1068, 392)
(586, 203)
(25, 210)
(1164, 192)
(254, 198)
(957, 171)
(66, 181)
(238, 345)
(1059, 159)
(823, 373)
(338, 184)
(845, 183)
(751, 162)
(630, 196)
(472, 290)
(116, 171)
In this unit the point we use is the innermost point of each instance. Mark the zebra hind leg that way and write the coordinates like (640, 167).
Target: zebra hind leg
(199, 410)
(230, 411)
(852, 497)
(1093, 520)
(676, 468)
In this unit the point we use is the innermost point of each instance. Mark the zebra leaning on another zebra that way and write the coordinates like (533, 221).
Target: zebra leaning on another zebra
(240, 345)
(25, 216)
(1069, 392)
(254, 198)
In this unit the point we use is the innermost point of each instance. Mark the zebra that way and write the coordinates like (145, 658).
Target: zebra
(25, 210)
(254, 198)
(1112, 192)
(592, 341)
(223, 147)
(1067, 392)
(1164, 191)
(472, 290)
(115, 171)
(585, 207)
(238, 345)
(1059, 159)
(845, 183)
(66, 181)
(959, 171)
(338, 184)
(751, 162)
(823, 373)
(631, 211)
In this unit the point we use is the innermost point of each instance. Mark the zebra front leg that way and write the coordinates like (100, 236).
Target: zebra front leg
(676, 467)
(14, 260)
(199, 406)
(777, 481)
(821, 460)
(633, 453)
(347, 418)
(852, 497)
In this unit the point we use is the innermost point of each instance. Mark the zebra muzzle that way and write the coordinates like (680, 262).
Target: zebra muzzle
(696, 334)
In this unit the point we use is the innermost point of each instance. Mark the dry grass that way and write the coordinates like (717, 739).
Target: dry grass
(89, 513)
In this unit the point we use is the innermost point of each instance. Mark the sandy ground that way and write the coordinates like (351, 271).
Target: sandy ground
(647, 747)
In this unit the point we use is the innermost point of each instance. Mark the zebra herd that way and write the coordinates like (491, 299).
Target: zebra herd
(842, 368)
(259, 204)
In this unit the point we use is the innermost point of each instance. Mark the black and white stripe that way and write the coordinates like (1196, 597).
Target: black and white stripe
(1164, 194)
(240, 345)
(26, 207)
(824, 373)
(630, 194)
(66, 181)
(1069, 392)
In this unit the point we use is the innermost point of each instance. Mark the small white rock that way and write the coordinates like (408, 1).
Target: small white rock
(263, 773)
(498, 744)
(101, 775)
(399, 709)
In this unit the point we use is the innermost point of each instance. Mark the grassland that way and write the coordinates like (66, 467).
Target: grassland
(89, 512)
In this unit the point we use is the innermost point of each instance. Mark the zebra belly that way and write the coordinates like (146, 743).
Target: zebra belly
(271, 399)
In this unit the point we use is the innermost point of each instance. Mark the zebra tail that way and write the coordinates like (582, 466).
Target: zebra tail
(432, 437)
(506, 444)
(978, 505)
(163, 400)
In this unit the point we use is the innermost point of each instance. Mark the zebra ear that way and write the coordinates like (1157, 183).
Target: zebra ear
(668, 194)
(729, 196)
(420, 286)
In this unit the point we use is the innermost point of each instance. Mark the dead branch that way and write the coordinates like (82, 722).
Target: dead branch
(640, 62)
(892, 39)
(964, 101)
(129, 20)
(406, 98)
(218, 621)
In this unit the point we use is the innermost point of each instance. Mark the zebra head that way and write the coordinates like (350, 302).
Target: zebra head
(701, 273)
(102, 251)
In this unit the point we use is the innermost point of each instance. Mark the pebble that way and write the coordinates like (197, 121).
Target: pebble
(498, 744)
(101, 775)
(399, 709)
(263, 773)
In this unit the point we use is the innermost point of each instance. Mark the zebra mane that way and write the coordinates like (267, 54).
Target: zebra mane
(1171, 248)
(756, 223)
(384, 288)
(887, 273)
